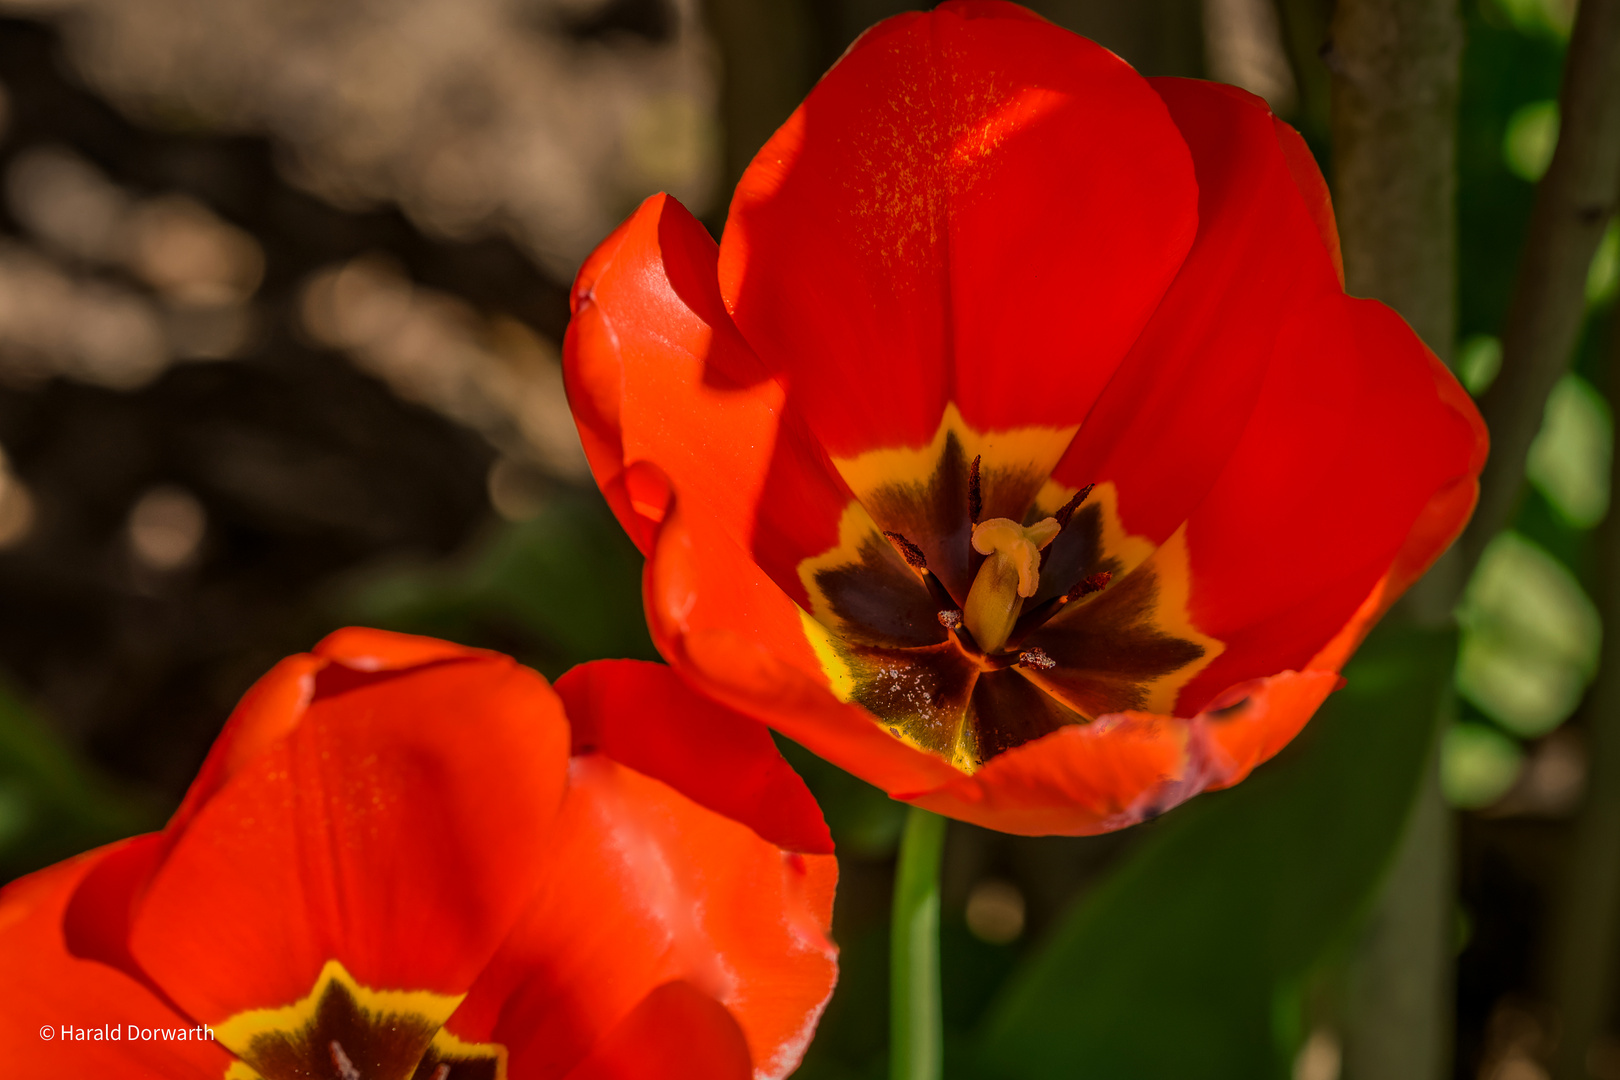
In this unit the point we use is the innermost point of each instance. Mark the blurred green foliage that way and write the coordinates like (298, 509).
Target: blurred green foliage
(53, 805)
(556, 590)
(1192, 960)
(1531, 638)
(1530, 633)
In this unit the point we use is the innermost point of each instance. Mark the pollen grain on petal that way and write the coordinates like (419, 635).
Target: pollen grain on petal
(1037, 659)
(341, 1062)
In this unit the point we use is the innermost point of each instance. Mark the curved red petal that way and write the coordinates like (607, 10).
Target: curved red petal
(676, 1033)
(726, 627)
(1125, 768)
(643, 886)
(1355, 434)
(657, 372)
(1297, 435)
(267, 713)
(972, 206)
(1313, 189)
(445, 777)
(365, 649)
(1079, 780)
(643, 716)
(47, 987)
(1258, 719)
(1165, 426)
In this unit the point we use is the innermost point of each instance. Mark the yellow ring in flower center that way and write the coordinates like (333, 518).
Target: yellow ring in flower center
(348, 1031)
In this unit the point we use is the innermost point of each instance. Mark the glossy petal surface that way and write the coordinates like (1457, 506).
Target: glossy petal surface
(643, 716)
(392, 822)
(676, 1033)
(952, 199)
(45, 984)
(310, 841)
(695, 897)
(987, 271)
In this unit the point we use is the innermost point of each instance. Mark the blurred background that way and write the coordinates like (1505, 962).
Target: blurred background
(282, 286)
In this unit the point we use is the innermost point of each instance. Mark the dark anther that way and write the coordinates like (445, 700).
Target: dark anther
(1224, 711)
(1037, 659)
(950, 618)
(1066, 511)
(1093, 583)
(909, 551)
(975, 492)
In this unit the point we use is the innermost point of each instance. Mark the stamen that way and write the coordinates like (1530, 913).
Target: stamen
(344, 1066)
(1093, 583)
(1005, 579)
(1066, 511)
(975, 492)
(910, 552)
(950, 618)
(1037, 659)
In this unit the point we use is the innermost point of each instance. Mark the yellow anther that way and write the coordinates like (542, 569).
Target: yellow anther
(1011, 573)
(1021, 545)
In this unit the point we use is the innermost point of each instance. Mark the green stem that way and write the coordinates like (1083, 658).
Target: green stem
(916, 1027)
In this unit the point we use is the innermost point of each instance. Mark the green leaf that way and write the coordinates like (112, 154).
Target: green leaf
(51, 804)
(1187, 962)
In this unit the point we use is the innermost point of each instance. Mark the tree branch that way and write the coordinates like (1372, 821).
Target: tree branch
(1573, 204)
(1588, 926)
(1395, 66)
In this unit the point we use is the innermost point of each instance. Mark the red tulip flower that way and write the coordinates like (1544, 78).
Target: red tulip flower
(405, 860)
(1017, 448)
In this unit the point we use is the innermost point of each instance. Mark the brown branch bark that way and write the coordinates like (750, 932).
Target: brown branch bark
(766, 69)
(1573, 204)
(1395, 68)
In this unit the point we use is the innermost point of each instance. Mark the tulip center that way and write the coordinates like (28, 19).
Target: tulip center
(973, 603)
(345, 1031)
(1010, 573)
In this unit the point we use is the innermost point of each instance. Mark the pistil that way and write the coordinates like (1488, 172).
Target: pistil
(1010, 574)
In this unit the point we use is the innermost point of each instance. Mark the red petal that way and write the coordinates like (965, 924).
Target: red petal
(972, 206)
(1354, 436)
(643, 886)
(1313, 189)
(657, 372)
(267, 714)
(676, 1033)
(1079, 780)
(1128, 767)
(392, 828)
(46, 986)
(726, 627)
(1263, 717)
(1298, 434)
(643, 716)
(365, 649)
(1182, 399)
